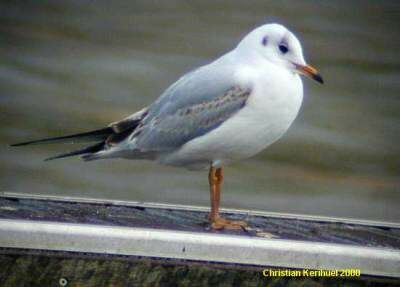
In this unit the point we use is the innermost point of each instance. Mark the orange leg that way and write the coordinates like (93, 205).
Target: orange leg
(215, 179)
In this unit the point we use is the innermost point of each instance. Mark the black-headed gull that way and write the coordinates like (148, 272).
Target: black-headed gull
(222, 112)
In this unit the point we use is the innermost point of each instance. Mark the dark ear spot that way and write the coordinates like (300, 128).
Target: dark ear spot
(264, 41)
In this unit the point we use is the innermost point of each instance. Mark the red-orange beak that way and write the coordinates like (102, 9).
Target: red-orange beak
(310, 71)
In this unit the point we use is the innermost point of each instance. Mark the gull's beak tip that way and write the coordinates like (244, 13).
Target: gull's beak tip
(311, 72)
(318, 78)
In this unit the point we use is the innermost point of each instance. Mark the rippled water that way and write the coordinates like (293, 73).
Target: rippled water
(73, 66)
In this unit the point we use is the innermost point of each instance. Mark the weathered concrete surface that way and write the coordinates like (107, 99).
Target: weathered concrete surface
(187, 220)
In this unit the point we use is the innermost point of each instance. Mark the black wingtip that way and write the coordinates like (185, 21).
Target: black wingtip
(20, 144)
(86, 150)
(35, 142)
(57, 157)
(95, 135)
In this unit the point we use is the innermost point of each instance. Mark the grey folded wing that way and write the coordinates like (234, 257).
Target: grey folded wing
(171, 128)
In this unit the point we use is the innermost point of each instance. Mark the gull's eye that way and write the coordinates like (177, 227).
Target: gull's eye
(283, 48)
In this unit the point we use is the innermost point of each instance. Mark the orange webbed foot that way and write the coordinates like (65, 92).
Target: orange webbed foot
(222, 223)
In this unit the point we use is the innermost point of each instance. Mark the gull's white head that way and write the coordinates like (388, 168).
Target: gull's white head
(276, 44)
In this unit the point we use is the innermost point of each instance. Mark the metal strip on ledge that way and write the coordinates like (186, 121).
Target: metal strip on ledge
(199, 246)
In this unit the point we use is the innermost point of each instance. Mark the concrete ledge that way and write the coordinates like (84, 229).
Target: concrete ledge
(171, 232)
(196, 246)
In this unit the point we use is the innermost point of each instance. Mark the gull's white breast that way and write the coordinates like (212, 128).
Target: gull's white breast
(269, 111)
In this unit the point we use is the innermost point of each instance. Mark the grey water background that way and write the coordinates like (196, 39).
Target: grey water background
(72, 66)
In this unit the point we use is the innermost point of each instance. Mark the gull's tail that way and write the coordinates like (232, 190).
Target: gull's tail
(102, 138)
